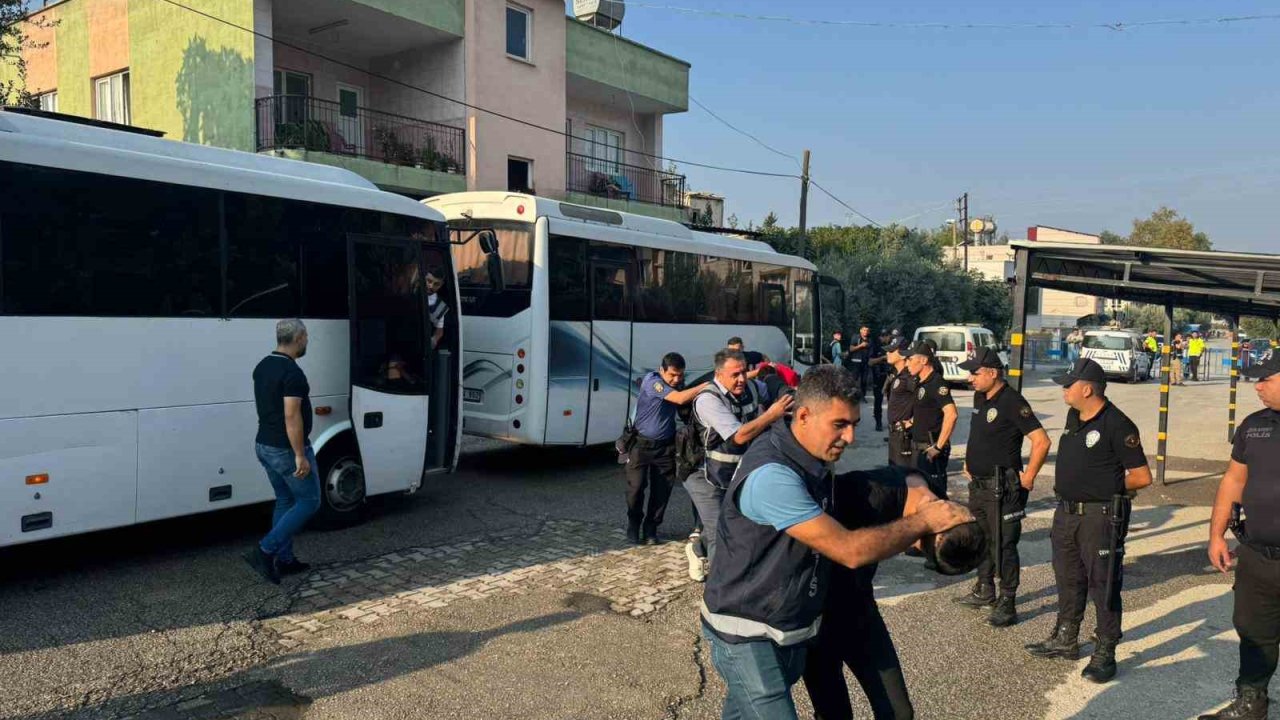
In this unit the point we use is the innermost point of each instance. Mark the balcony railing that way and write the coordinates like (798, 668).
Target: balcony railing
(306, 123)
(617, 180)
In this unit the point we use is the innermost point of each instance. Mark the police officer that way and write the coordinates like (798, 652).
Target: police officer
(902, 398)
(879, 372)
(1251, 481)
(998, 486)
(1100, 464)
(729, 415)
(765, 596)
(651, 461)
(933, 417)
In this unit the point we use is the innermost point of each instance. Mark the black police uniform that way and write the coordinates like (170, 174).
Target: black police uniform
(932, 395)
(853, 632)
(994, 462)
(857, 361)
(1257, 588)
(1092, 516)
(879, 371)
(902, 399)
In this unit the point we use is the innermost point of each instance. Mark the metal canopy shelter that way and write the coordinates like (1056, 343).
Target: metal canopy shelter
(1230, 284)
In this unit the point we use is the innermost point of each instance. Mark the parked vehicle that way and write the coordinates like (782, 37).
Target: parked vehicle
(957, 343)
(1119, 352)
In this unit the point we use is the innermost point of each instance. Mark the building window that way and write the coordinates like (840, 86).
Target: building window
(604, 147)
(297, 86)
(111, 98)
(519, 175)
(49, 101)
(519, 30)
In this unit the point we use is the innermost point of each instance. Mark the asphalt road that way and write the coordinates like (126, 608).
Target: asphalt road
(165, 620)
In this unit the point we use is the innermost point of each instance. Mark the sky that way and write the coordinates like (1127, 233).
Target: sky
(1079, 128)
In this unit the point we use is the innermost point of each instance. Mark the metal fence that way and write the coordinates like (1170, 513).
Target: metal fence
(617, 180)
(1215, 364)
(308, 123)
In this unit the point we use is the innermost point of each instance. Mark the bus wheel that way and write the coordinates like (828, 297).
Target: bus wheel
(342, 491)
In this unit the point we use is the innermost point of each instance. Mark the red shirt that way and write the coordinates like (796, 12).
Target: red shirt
(789, 376)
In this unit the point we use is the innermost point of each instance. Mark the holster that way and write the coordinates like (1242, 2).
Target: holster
(1121, 505)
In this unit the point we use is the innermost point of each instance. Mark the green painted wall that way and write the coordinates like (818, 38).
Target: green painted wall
(396, 178)
(658, 211)
(597, 55)
(191, 77)
(446, 15)
(75, 89)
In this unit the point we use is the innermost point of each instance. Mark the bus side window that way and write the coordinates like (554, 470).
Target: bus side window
(567, 278)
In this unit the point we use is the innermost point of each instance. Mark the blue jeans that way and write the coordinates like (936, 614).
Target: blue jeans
(758, 675)
(297, 499)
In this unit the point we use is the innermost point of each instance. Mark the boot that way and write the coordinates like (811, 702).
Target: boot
(1250, 704)
(633, 532)
(1004, 613)
(879, 425)
(1063, 643)
(1102, 666)
(983, 595)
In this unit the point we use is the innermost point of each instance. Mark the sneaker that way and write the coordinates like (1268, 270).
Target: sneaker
(293, 567)
(697, 564)
(265, 564)
(650, 540)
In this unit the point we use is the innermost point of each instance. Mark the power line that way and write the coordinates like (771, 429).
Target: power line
(846, 205)
(740, 131)
(463, 103)
(1117, 26)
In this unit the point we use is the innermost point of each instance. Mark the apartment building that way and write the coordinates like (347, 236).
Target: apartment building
(410, 94)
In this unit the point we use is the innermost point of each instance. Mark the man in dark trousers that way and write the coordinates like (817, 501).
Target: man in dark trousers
(998, 485)
(765, 596)
(1100, 464)
(283, 398)
(933, 417)
(1251, 487)
(878, 372)
(859, 358)
(651, 462)
(902, 400)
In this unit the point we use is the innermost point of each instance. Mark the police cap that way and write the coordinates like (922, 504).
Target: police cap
(1084, 369)
(984, 357)
(1264, 369)
(919, 347)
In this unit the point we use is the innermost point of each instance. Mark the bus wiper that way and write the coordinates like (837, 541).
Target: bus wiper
(255, 296)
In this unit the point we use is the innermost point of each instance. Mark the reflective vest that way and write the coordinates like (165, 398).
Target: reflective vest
(1196, 347)
(723, 454)
(764, 584)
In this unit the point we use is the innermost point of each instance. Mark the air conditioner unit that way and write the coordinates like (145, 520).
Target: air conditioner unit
(606, 14)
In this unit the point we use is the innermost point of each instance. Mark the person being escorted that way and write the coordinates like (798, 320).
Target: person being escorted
(933, 416)
(754, 359)
(651, 462)
(283, 447)
(767, 589)
(728, 415)
(1100, 465)
(998, 484)
(902, 398)
(1195, 349)
(1250, 486)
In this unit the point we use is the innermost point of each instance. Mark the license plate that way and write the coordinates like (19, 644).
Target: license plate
(472, 395)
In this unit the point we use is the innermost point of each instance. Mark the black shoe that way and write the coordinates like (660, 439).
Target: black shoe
(1004, 614)
(1063, 643)
(1102, 666)
(981, 596)
(879, 426)
(633, 533)
(1250, 704)
(265, 564)
(293, 567)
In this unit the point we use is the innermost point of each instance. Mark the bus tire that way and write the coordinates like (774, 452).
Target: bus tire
(342, 489)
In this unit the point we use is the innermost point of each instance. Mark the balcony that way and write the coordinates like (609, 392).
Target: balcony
(599, 63)
(622, 186)
(395, 152)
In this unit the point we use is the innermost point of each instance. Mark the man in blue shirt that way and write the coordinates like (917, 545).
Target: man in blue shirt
(651, 462)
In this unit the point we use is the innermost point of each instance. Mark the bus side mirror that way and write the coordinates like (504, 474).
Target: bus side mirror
(493, 261)
(488, 242)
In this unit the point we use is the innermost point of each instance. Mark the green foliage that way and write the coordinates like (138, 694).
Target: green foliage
(310, 135)
(1164, 229)
(1110, 238)
(1256, 327)
(14, 41)
(1151, 317)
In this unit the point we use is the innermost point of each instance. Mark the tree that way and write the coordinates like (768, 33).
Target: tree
(1110, 238)
(1142, 317)
(14, 42)
(732, 220)
(1167, 229)
(1256, 327)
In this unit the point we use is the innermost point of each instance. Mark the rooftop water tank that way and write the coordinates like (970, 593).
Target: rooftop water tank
(606, 14)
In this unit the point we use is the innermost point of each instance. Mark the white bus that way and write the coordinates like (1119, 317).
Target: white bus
(580, 301)
(140, 282)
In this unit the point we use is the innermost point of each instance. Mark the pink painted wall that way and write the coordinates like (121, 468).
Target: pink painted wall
(534, 91)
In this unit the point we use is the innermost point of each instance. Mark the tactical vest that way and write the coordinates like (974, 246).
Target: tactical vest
(723, 454)
(764, 584)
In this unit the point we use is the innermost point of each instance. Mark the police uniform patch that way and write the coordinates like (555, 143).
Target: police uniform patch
(944, 390)
(897, 383)
(1025, 411)
(991, 415)
(1092, 438)
(658, 388)
(1131, 441)
(920, 393)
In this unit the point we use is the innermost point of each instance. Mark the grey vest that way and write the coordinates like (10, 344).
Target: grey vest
(723, 454)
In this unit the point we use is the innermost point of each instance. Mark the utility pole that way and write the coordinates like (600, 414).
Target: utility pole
(964, 223)
(804, 201)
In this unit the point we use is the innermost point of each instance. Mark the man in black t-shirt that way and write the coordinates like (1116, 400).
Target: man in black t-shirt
(933, 416)
(283, 399)
(1252, 483)
(1100, 464)
(901, 387)
(998, 486)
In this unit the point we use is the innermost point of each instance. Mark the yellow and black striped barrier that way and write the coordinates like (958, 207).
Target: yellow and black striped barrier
(1235, 378)
(1162, 436)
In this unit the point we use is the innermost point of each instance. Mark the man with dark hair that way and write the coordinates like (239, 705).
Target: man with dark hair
(879, 372)
(754, 359)
(853, 633)
(651, 461)
(765, 596)
(859, 357)
(1100, 466)
(933, 416)
(728, 415)
(437, 310)
(836, 349)
(902, 399)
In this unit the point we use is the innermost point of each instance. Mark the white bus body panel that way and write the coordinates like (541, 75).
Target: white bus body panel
(387, 467)
(611, 385)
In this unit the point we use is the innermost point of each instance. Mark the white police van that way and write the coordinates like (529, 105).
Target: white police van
(1119, 352)
(957, 343)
